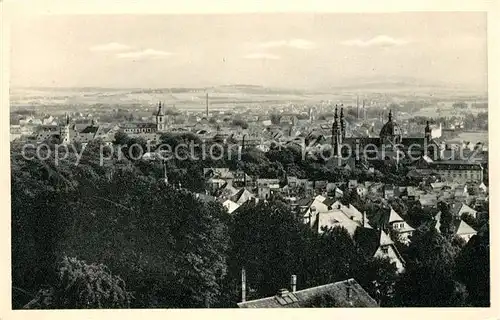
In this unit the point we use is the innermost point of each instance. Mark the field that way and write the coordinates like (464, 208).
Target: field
(480, 136)
(234, 96)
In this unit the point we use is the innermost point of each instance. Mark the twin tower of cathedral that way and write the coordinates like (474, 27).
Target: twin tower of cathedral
(338, 130)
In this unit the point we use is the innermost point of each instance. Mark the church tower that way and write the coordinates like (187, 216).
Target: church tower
(342, 123)
(160, 119)
(336, 134)
(428, 132)
(64, 132)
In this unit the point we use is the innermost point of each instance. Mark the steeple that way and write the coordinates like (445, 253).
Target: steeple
(342, 123)
(428, 131)
(64, 131)
(335, 125)
(160, 111)
(336, 132)
(160, 118)
(390, 115)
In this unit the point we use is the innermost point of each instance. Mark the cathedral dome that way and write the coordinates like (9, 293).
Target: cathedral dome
(391, 129)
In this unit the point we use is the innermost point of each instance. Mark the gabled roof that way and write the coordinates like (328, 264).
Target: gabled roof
(336, 218)
(230, 205)
(302, 298)
(369, 240)
(462, 228)
(459, 209)
(242, 196)
(90, 129)
(394, 216)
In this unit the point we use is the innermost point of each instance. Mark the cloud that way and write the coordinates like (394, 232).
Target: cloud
(294, 43)
(112, 46)
(267, 56)
(144, 54)
(378, 41)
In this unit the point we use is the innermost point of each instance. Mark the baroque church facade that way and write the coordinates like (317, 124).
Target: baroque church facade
(389, 142)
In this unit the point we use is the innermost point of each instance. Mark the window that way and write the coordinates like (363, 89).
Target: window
(385, 250)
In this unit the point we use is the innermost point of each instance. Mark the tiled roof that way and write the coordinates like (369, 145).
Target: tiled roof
(358, 297)
(90, 129)
(137, 125)
(456, 165)
(334, 218)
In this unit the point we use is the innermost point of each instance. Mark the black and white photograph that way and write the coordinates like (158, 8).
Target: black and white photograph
(249, 160)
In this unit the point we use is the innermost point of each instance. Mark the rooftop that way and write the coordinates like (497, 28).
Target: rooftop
(347, 293)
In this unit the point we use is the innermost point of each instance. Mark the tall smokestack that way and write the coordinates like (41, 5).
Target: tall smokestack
(293, 283)
(357, 107)
(364, 110)
(207, 103)
(243, 285)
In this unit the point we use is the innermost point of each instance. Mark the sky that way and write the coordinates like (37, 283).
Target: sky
(285, 50)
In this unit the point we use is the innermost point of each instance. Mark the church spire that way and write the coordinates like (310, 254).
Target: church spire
(342, 122)
(390, 115)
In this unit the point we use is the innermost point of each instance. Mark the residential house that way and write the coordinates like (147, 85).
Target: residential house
(459, 209)
(376, 243)
(389, 191)
(390, 220)
(267, 187)
(242, 196)
(241, 179)
(230, 205)
(353, 183)
(345, 294)
(460, 228)
(428, 200)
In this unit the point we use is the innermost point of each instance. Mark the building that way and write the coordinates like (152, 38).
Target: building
(376, 243)
(391, 144)
(459, 170)
(391, 221)
(459, 227)
(342, 294)
(141, 128)
(15, 132)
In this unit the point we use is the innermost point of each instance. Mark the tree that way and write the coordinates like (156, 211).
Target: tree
(83, 286)
(275, 118)
(240, 123)
(473, 269)
(117, 215)
(121, 138)
(268, 241)
(428, 279)
(378, 277)
(447, 227)
(333, 257)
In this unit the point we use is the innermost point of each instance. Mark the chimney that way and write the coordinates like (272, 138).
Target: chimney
(293, 283)
(243, 285)
(207, 103)
(364, 218)
(348, 293)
